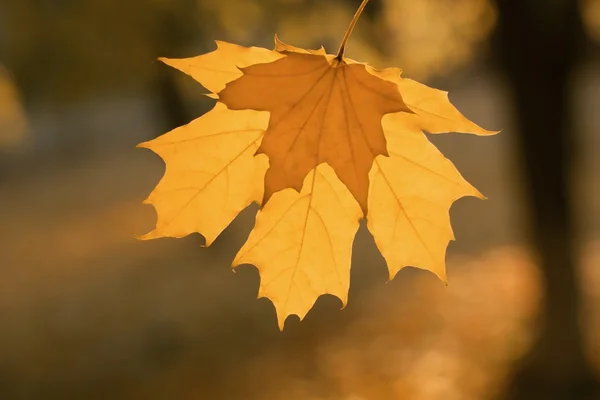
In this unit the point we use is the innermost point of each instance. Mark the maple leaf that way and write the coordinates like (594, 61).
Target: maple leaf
(321, 110)
(319, 141)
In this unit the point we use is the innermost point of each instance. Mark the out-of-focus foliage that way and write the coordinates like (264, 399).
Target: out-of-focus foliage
(425, 38)
(433, 37)
(68, 50)
(306, 23)
(72, 49)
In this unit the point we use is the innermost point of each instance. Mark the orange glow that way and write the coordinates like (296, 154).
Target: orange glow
(590, 10)
(13, 124)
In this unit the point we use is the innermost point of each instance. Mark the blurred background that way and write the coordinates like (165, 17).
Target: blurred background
(88, 312)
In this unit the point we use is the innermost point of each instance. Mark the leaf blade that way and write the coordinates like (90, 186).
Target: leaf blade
(302, 243)
(202, 159)
(410, 197)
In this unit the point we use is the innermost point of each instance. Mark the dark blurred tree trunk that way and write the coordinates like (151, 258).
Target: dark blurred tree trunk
(539, 42)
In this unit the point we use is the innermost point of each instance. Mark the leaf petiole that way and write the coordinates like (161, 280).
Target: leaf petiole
(340, 54)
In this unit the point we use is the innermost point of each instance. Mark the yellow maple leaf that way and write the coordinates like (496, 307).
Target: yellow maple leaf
(320, 141)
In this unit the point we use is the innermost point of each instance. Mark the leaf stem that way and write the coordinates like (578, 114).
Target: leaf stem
(340, 53)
